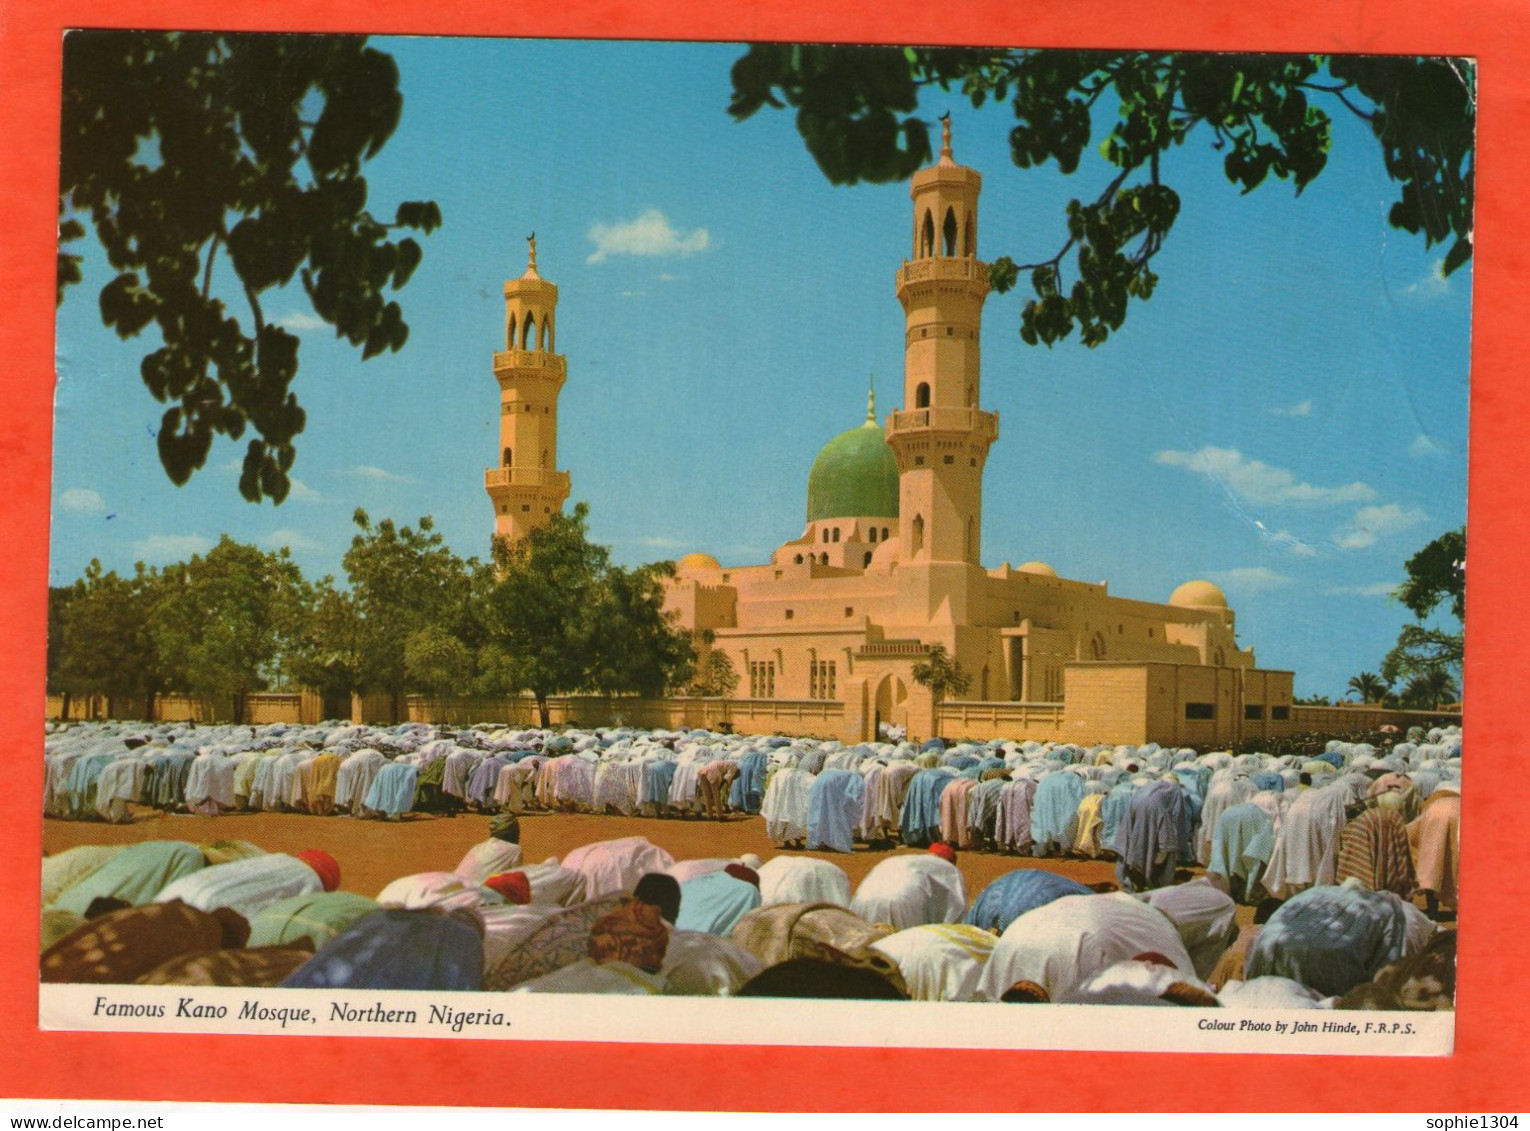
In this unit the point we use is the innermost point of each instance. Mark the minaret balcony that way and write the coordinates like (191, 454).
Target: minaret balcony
(540, 477)
(943, 269)
(530, 363)
(972, 422)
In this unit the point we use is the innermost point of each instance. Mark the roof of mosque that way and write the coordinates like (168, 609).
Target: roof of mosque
(854, 476)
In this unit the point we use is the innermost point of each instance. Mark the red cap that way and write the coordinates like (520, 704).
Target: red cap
(944, 851)
(325, 865)
(514, 886)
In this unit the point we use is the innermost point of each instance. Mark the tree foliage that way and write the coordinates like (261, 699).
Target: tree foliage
(1269, 115)
(1369, 686)
(1430, 690)
(713, 674)
(1436, 575)
(226, 621)
(636, 649)
(101, 639)
(180, 146)
(942, 673)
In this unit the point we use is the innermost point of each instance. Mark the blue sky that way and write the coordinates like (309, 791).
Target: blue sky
(1286, 416)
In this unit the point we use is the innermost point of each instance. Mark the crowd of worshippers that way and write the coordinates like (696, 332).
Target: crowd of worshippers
(625, 917)
(1271, 825)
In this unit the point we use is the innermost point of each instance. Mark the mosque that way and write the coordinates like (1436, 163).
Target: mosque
(889, 562)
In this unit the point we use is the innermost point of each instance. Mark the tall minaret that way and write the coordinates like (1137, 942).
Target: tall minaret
(941, 437)
(525, 488)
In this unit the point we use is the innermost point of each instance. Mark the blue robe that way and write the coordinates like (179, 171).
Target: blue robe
(1330, 938)
(749, 787)
(834, 809)
(661, 775)
(1153, 838)
(1113, 810)
(392, 790)
(1014, 893)
(1267, 779)
(1054, 811)
(395, 949)
(1241, 844)
(714, 903)
(919, 822)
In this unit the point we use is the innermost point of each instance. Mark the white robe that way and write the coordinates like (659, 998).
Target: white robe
(488, 858)
(908, 890)
(1306, 844)
(247, 886)
(612, 867)
(940, 961)
(803, 879)
(785, 804)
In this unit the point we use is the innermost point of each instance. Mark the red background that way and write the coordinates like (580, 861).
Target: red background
(1487, 1072)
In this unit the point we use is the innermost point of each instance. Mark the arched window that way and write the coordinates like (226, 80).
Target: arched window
(884, 533)
(918, 534)
(868, 558)
(529, 333)
(1218, 659)
(507, 460)
(825, 533)
(836, 534)
(969, 245)
(948, 232)
(511, 333)
(1097, 647)
(873, 533)
(927, 236)
(922, 395)
(799, 559)
(544, 457)
(824, 560)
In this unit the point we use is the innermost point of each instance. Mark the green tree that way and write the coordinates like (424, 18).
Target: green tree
(226, 623)
(636, 649)
(437, 663)
(1369, 686)
(327, 652)
(942, 673)
(403, 580)
(1436, 575)
(714, 675)
(100, 638)
(1428, 690)
(1267, 114)
(178, 146)
(541, 633)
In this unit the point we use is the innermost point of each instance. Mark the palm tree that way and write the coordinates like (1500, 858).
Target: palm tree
(941, 673)
(1431, 689)
(1369, 686)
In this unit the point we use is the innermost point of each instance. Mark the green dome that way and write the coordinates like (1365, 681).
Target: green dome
(856, 475)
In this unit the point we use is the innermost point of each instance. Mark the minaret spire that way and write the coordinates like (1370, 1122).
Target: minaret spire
(871, 401)
(946, 157)
(531, 258)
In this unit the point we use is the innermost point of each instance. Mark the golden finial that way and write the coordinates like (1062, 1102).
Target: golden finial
(945, 136)
(871, 401)
(531, 241)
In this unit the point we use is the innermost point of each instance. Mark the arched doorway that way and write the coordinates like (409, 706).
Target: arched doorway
(890, 704)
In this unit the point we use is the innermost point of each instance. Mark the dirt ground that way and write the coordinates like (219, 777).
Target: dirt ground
(372, 853)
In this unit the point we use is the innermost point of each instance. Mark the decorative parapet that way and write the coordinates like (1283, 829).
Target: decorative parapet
(530, 363)
(884, 649)
(965, 420)
(501, 477)
(943, 269)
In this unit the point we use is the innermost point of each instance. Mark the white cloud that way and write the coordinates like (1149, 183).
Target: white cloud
(1374, 589)
(300, 320)
(666, 277)
(1253, 481)
(378, 475)
(1289, 542)
(632, 294)
(1424, 446)
(1300, 408)
(300, 492)
(1433, 284)
(159, 549)
(235, 465)
(81, 500)
(1372, 523)
(292, 539)
(650, 234)
(1251, 579)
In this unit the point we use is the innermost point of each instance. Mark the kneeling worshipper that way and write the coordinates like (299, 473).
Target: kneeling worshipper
(785, 931)
(834, 810)
(562, 938)
(1306, 851)
(714, 903)
(1204, 916)
(686, 870)
(624, 954)
(1144, 980)
(1271, 992)
(1014, 893)
(1373, 848)
(1153, 837)
(1435, 838)
(1331, 938)
(909, 889)
(232, 966)
(1422, 981)
(392, 791)
(122, 946)
(316, 916)
(1241, 845)
(399, 949)
(697, 964)
(940, 961)
(445, 891)
(63, 869)
(1058, 947)
(823, 978)
(615, 866)
(135, 875)
(1231, 966)
(785, 806)
(803, 879)
(247, 886)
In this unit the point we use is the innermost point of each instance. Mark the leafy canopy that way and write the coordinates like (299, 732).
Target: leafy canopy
(213, 168)
(1268, 114)
(1436, 574)
(942, 673)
